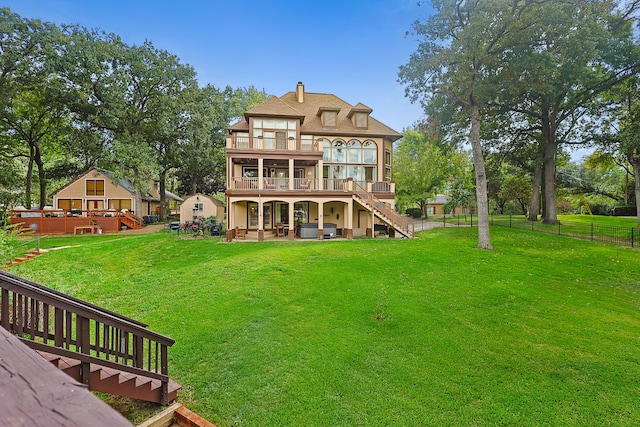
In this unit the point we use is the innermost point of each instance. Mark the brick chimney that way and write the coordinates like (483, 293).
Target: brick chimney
(300, 92)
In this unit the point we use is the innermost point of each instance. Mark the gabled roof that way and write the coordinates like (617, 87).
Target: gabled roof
(308, 111)
(121, 182)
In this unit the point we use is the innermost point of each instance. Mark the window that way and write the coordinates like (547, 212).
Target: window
(329, 119)
(95, 205)
(387, 157)
(326, 150)
(68, 204)
(301, 211)
(120, 204)
(274, 132)
(359, 158)
(361, 120)
(369, 152)
(198, 207)
(354, 151)
(250, 172)
(338, 152)
(94, 187)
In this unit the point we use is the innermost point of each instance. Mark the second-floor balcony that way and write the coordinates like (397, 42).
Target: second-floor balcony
(308, 184)
(271, 144)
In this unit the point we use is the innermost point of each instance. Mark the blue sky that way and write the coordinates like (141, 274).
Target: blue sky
(351, 48)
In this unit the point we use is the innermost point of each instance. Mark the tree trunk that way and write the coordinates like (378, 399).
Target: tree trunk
(194, 186)
(636, 173)
(482, 200)
(29, 178)
(550, 215)
(163, 195)
(534, 206)
(42, 179)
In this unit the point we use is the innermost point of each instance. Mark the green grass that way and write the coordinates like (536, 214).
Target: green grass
(615, 221)
(541, 331)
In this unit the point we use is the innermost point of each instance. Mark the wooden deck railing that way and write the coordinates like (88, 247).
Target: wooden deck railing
(56, 323)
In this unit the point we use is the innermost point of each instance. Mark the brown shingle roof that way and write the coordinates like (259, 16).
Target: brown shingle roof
(288, 106)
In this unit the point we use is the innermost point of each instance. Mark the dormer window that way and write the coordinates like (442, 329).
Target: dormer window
(361, 120)
(329, 119)
(359, 116)
(329, 116)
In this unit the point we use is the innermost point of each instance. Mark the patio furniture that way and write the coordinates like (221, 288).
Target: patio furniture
(269, 184)
(241, 233)
(279, 230)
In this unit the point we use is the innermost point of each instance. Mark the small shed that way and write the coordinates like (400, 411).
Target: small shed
(201, 205)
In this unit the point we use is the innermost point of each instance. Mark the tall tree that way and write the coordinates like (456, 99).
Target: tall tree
(210, 111)
(573, 52)
(620, 136)
(459, 57)
(30, 112)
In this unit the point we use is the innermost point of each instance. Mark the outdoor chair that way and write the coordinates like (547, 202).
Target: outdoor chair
(240, 233)
(305, 185)
(269, 184)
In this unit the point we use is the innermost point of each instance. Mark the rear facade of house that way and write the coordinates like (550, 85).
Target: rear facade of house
(310, 165)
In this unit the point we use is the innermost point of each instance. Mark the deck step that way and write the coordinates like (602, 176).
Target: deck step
(114, 381)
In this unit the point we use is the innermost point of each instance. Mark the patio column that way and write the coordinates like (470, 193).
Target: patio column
(291, 174)
(348, 220)
(319, 172)
(260, 220)
(260, 176)
(320, 220)
(231, 219)
(292, 231)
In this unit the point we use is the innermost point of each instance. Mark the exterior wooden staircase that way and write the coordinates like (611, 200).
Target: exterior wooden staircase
(397, 222)
(32, 253)
(131, 221)
(102, 349)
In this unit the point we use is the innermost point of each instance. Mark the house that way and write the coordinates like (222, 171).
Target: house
(201, 206)
(436, 206)
(98, 190)
(310, 165)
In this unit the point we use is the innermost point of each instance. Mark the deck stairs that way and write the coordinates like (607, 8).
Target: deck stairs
(114, 381)
(106, 351)
(26, 257)
(131, 221)
(397, 222)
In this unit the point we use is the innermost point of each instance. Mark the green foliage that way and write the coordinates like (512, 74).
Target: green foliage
(422, 169)
(536, 332)
(9, 241)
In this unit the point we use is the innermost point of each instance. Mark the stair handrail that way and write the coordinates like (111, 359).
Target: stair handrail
(9, 276)
(26, 310)
(395, 220)
(133, 218)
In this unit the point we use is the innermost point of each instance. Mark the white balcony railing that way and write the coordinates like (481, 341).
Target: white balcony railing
(271, 144)
(307, 184)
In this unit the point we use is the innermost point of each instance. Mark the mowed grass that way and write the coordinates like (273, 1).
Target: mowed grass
(543, 330)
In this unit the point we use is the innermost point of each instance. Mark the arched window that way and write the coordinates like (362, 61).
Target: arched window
(369, 152)
(338, 151)
(326, 150)
(354, 151)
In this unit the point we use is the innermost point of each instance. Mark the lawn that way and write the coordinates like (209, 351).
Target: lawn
(543, 330)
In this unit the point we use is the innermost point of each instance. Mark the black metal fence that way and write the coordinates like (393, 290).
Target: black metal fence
(627, 236)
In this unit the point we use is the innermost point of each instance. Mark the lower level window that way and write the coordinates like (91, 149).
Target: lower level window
(119, 204)
(68, 204)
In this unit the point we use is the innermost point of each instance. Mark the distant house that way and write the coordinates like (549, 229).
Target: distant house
(98, 190)
(200, 205)
(436, 206)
